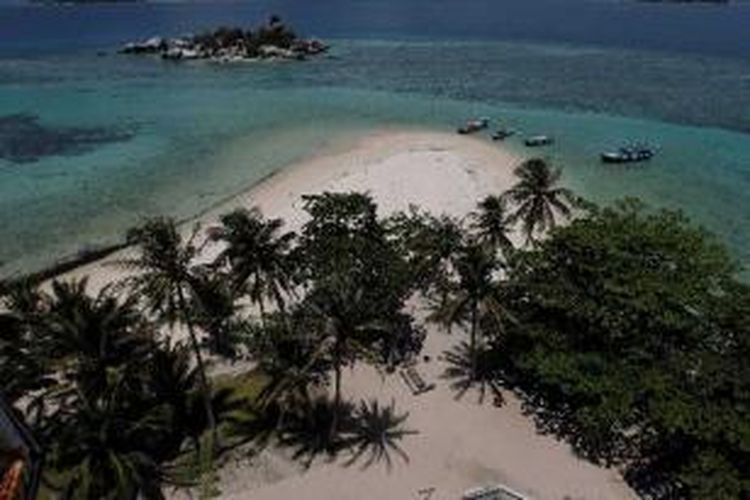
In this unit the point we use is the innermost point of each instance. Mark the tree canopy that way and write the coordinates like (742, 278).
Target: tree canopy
(632, 342)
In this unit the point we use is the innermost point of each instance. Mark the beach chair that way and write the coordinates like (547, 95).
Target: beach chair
(408, 382)
(418, 381)
(414, 381)
(496, 492)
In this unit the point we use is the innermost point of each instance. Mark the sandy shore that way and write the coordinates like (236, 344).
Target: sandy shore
(440, 172)
(460, 444)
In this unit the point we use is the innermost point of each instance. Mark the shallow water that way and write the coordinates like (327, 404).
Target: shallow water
(204, 132)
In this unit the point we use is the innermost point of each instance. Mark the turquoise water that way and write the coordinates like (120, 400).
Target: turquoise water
(202, 132)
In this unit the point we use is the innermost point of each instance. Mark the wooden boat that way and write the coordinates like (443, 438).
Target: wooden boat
(538, 140)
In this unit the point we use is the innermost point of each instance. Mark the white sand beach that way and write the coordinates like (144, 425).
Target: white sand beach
(460, 444)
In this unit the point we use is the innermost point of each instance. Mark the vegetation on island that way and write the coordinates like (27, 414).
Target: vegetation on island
(273, 39)
(624, 331)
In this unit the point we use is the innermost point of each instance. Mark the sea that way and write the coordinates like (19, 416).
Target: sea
(92, 142)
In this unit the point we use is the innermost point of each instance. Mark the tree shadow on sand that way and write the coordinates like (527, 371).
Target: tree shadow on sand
(486, 381)
(366, 433)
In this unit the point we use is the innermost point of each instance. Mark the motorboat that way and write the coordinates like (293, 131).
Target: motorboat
(538, 140)
(475, 125)
(628, 155)
(502, 134)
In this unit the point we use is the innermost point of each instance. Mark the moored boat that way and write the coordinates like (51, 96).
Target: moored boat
(628, 155)
(538, 140)
(502, 134)
(476, 125)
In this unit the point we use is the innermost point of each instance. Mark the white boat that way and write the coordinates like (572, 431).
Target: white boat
(538, 140)
(628, 155)
(474, 125)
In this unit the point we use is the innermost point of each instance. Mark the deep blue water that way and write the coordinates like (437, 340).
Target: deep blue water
(706, 29)
(174, 139)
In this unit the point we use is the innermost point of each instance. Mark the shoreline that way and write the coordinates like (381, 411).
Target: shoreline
(460, 443)
(473, 163)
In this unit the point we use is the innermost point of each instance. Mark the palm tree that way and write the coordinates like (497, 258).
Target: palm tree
(492, 224)
(258, 256)
(174, 381)
(105, 443)
(164, 279)
(94, 333)
(477, 295)
(537, 198)
(23, 346)
(346, 325)
(215, 311)
(293, 358)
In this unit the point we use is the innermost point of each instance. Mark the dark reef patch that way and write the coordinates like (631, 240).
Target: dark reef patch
(24, 140)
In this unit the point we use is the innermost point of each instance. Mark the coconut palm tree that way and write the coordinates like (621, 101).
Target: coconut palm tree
(216, 311)
(492, 225)
(172, 379)
(94, 333)
(163, 277)
(258, 256)
(104, 443)
(339, 315)
(476, 297)
(23, 347)
(537, 199)
(293, 358)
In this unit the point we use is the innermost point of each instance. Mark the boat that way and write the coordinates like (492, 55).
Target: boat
(502, 134)
(538, 140)
(628, 155)
(476, 125)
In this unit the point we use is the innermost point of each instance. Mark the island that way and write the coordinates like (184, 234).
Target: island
(272, 40)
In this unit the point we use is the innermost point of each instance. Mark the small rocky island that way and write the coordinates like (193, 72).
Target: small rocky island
(272, 40)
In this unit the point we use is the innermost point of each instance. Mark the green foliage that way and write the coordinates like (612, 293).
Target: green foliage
(633, 343)
(258, 257)
(121, 413)
(274, 33)
(476, 298)
(357, 278)
(492, 224)
(165, 278)
(215, 310)
(22, 345)
(161, 275)
(428, 244)
(537, 199)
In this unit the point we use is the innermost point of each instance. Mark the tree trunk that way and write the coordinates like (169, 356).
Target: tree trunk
(262, 308)
(205, 389)
(473, 340)
(282, 308)
(337, 383)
